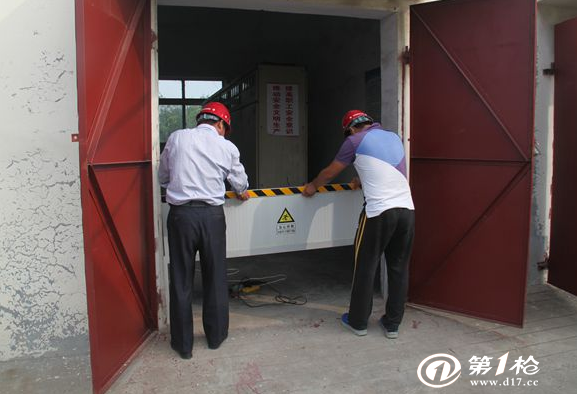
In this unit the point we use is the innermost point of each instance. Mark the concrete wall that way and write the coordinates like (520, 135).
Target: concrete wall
(336, 52)
(42, 291)
(547, 17)
(371, 9)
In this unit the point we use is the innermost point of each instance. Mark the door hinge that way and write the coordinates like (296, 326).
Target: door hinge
(543, 265)
(550, 70)
(406, 56)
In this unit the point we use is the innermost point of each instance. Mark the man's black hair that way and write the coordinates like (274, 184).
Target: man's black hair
(207, 121)
(347, 132)
(212, 122)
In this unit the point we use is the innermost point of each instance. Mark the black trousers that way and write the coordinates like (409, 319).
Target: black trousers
(391, 232)
(201, 228)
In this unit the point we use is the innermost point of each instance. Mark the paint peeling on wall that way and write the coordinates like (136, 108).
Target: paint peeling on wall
(42, 297)
(42, 282)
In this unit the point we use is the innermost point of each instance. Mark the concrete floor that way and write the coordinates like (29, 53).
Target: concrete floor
(303, 349)
(47, 375)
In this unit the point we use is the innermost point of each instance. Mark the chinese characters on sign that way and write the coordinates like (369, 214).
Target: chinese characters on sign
(282, 109)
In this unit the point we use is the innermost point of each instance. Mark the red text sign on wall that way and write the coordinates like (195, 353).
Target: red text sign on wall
(282, 109)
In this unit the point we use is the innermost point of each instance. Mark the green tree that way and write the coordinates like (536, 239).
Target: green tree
(170, 119)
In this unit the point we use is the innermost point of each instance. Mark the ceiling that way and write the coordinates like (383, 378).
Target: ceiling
(371, 9)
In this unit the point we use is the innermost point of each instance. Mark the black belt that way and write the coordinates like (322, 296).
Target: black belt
(193, 203)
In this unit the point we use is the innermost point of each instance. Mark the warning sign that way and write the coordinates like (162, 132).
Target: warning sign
(285, 217)
(286, 224)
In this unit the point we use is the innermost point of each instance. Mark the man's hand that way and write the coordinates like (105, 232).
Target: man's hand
(328, 173)
(356, 183)
(243, 196)
(309, 190)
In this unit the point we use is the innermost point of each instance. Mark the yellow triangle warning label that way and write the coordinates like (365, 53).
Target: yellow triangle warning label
(285, 217)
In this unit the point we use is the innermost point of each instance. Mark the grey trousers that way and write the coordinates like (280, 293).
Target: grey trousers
(191, 228)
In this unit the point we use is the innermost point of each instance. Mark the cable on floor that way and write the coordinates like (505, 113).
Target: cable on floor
(241, 287)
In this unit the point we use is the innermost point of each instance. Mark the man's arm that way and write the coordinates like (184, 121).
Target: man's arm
(237, 177)
(324, 177)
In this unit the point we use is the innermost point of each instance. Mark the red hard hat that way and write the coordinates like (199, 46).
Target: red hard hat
(353, 114)
(218, 109)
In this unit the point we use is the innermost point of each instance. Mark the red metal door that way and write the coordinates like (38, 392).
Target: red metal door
(563, 255)
(113, 53)
(472, 99)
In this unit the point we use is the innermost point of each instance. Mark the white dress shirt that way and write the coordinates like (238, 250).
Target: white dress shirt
(195, 163)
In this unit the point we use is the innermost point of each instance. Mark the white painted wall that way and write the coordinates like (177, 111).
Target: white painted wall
(367, 9)
(548, 15)
(161, 268)
(42, 283)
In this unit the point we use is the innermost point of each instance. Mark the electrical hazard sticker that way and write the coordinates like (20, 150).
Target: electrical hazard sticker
(286, 217)
(286, 223)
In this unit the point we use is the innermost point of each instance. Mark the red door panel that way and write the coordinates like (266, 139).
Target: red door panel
(563, 254)
(472, 93)
(113, 51)
(121, 186)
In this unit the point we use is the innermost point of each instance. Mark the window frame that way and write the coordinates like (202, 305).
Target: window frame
(183, 101)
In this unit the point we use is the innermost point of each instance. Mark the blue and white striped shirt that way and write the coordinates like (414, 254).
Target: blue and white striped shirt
(195, 163)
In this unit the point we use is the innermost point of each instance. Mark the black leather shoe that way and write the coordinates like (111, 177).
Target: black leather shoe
(214, 346)
(183, 355)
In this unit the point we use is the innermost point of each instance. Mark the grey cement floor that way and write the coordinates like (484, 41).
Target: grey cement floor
(304, 349)
(52, 374)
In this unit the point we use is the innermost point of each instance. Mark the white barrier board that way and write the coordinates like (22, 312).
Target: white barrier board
(262, 226)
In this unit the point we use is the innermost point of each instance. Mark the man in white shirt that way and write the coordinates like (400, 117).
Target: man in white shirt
(387, 223)
(193, 167)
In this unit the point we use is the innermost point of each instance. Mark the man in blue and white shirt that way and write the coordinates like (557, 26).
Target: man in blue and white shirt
(386, 223)
(193, 168)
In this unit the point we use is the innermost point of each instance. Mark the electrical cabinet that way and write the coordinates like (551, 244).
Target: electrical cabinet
(269, 124)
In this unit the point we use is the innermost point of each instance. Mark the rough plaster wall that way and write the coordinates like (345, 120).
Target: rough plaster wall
(161, 269)
(42, 283)
(547, 18)
(390, 72)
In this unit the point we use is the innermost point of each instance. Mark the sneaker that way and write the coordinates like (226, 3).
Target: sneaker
(345, 322)
(389, 333)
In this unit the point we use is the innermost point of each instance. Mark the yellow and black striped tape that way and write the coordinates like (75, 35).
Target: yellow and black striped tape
(287, 191)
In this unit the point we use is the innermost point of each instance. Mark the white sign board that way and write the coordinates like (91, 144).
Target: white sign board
(282, 109)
